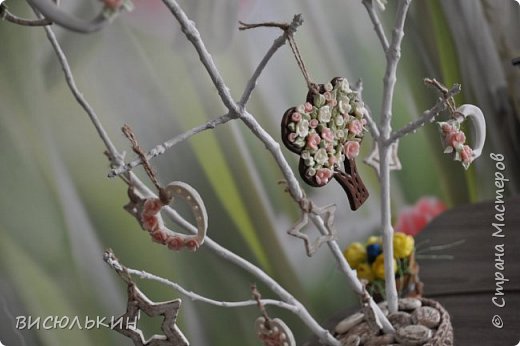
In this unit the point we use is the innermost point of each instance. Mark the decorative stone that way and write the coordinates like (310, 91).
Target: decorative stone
(380, 340)
(351, 340)
(371, 319)
(414, 335)
(349, 322)
(427, 316)
(362, 330)
(400, 319)
(409, 304)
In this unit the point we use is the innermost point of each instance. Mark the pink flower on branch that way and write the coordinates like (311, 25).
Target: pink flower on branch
(323, 176)
(466, 155)
(327, 134)
(455, 139)
(356, 127)
(351, 149)
(313, 140)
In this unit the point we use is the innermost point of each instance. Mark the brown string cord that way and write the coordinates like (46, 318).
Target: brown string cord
(129, 133)
(257, 296)
(296, 52)
(313, 87)
(450, 101)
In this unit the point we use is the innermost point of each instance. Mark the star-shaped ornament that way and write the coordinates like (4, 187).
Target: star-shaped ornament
(137, 301)
(394, 164)
(312, 246)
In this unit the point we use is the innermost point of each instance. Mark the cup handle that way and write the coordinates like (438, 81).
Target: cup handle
(478, 123)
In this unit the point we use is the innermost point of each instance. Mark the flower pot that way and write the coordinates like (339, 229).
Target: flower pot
(419, 321)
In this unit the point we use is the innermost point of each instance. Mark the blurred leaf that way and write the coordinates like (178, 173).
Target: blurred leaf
(40, 293)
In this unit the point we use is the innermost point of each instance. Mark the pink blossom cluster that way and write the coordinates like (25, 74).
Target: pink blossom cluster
(328, 130)
(453, 140)
(152, 222)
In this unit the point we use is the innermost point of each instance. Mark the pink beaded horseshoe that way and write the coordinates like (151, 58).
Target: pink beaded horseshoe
(274, 333)
(148, 213)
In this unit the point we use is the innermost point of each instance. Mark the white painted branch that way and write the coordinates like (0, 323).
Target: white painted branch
(115, 157)
(247, 266)
(378, 28)
(351, 275)
(372, 125)
(251, 84)
(118, 267)
(299, 308)
(161, 148)
(279, 42)
(427, 116)
(393, 54)
(273, 146)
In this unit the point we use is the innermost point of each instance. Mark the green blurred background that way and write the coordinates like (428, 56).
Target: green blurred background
(59, 211)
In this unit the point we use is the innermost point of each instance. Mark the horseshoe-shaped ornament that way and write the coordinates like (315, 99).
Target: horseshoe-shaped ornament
(274, 332)
(148, 213)
(478, 123)
(453, 139)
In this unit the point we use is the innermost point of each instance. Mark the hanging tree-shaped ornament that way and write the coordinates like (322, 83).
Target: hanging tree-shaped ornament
(327, 131)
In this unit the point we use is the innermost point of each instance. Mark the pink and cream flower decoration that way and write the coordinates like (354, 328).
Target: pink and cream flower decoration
(326, 131)
(454, 139)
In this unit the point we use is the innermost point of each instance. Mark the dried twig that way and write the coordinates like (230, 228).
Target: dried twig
(393, 54)
(273, 146)
(378, 28)
(52, 12)
(126, 275)
(8, 16)
(228, 255)
(427, 116)
(115, 157)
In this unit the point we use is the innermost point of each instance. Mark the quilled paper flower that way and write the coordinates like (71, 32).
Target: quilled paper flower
(355, 254)
(364, 271)
(378, 267)
(403, 245)
(373, 250)
(368, 258)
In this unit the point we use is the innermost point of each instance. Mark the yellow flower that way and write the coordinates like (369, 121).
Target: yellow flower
(355, 254)
(403, 245)
(365, 272)
(378, 267)
(374, 240)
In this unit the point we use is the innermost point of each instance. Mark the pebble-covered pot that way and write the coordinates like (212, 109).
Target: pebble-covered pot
(419, 322)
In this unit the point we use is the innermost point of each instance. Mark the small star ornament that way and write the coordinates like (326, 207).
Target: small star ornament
(394, 163)
(137, 301)
(326, 131)
(297, 230)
